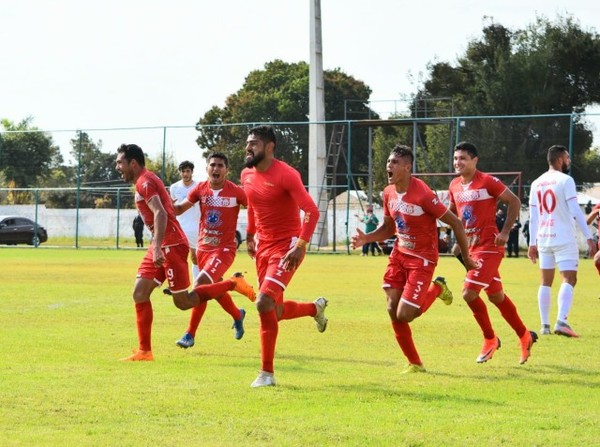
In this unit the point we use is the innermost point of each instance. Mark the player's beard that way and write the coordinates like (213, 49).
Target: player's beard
(252, 160)
(564, 168)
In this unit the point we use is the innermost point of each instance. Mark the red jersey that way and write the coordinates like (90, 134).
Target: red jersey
(218, 214)
(476, 207)
(275, 198)
(147, 186)
(415, 214)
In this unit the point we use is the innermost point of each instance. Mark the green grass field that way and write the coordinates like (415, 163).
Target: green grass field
(66, 316)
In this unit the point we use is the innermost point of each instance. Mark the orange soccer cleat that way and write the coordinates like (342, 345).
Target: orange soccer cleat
(490, 346)
(139, 356)
(526, 342)
(242, 286)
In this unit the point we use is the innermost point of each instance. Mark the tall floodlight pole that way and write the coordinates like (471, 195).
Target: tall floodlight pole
(316, 112)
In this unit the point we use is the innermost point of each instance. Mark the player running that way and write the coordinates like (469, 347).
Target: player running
(220, 201)
(277, 240)
(411, 210)
(166, 257)
(474, 196)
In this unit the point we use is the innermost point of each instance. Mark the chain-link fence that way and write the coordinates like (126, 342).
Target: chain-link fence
(76, 193)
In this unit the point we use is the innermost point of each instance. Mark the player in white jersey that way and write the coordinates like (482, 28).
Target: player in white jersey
(188, 220)
(553, 215)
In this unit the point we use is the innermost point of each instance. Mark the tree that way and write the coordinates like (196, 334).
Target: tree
(279, 94)
(26, 154)
(547, 68)
(171, 173)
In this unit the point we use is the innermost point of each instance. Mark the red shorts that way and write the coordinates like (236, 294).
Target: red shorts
(273, 279)
(175, 268)
(487, 275)
(409, 274)
(215, 263)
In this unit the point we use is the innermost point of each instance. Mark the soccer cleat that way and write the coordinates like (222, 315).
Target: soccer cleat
(562, 328)
(414, 368)
(526, 342)
(321, 304)
(264, 379)
(490, 346)
(187, 341)
(139, 356)
(239, 325)
(242, 286)
(545, 330)
(445, 295)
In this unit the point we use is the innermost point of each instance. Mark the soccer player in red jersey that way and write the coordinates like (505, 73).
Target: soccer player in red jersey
(411, 210)
(277, 240)
(220, 201)
(166, 258)
(474, 196)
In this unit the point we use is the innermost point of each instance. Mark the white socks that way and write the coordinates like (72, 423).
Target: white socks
(565, 301)
(544, 299)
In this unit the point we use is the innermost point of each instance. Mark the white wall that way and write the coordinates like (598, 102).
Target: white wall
(103, 222)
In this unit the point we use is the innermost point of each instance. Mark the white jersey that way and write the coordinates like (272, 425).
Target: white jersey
(553, 206)
(190, 220)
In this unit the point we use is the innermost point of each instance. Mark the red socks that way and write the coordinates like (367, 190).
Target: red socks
(209, 291)
(268, 337)
(144, 317)
(196, 317)
(482, 317)
(229, 306)
(295, 309)
(510, 314)
(198, 312)
(405, 340)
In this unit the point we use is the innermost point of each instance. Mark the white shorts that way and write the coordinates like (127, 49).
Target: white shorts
(566, 257)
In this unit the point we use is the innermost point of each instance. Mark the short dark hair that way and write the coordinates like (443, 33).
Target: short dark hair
(265, 133)
(555, 152)
(468, 148)
(220, 156)
(185, 165)
(132, 152)
(403, 151)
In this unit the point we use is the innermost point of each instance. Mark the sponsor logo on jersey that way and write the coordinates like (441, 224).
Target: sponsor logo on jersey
(213, 219)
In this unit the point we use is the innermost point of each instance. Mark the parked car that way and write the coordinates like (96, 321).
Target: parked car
(387, 245)
(21, 230)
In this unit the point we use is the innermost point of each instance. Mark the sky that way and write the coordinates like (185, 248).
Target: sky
(73, 64)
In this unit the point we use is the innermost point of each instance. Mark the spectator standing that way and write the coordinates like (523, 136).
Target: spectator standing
(500, 219)
(371, 222)
(512, 246)
(138, 230)
(526, 232)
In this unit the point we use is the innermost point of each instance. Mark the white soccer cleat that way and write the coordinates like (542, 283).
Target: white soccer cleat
(264, 379)
(321, 304)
